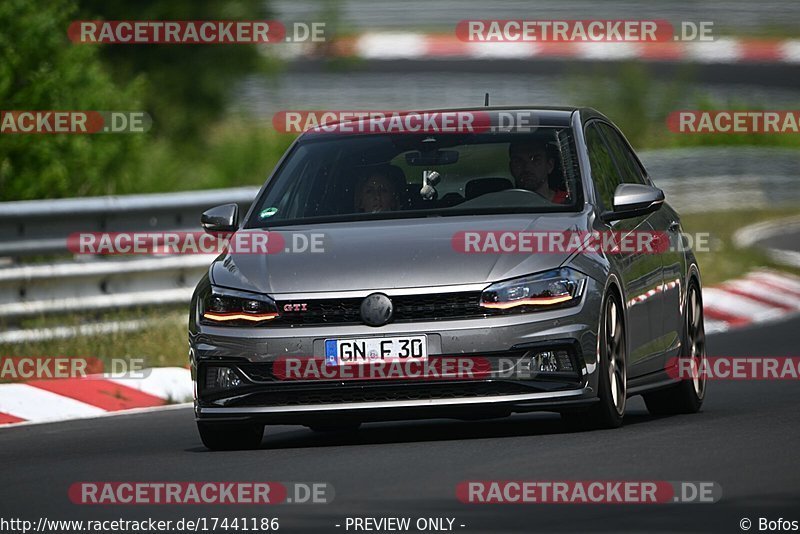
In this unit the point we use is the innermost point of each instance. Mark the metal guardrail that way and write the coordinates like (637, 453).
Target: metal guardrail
(32, 290)
(31, 227)
(102, 283)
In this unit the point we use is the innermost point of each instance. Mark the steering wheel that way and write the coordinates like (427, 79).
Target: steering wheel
(528, 191)
(538, 199)
(513, 197)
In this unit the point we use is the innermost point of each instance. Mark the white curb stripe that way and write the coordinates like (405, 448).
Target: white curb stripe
(499, 50)
(719, 51)
(169, 383)
(173, 384)
(34, 404)
(608, 51)
(758, 289)
(715, 327)
(391, 46)
(760, 285)
(718, 299)
(790, 51)
(780, 280)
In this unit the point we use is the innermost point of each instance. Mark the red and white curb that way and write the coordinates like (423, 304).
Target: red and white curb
(409, 45)
(42, 401)
(759, 297)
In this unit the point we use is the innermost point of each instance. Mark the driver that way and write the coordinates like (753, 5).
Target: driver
(380, 189)
(530, 165)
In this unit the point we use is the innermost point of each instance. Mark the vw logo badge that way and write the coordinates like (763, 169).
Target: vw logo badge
(376, 309)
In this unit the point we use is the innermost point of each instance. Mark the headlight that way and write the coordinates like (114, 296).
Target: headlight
(236, 308)
(550, 289)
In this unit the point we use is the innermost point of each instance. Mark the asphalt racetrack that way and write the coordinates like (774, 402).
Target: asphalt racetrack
(745, 439)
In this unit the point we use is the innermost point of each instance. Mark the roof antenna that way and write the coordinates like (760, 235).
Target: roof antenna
(486, 100)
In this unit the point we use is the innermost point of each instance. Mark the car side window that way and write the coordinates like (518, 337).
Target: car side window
(604, 172)
(626, 161)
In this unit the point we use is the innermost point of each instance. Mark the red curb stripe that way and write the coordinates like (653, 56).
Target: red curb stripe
(557, 50)
(104, 394)
(763, 299)
(662, 51)
(773, 285)
(761, 51)
(718, 315)
(7, 418)
(444, 46)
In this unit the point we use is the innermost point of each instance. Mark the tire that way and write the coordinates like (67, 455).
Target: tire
(335, 427)
(230, 436)
(612, 384)
(687, 395)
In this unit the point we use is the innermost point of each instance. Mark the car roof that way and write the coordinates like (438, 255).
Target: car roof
(547, 116)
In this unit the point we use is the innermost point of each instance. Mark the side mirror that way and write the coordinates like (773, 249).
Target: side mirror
(634, 200)
(223, 218)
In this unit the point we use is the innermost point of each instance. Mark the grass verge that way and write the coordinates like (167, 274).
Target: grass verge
(162, 342)
(725, 261)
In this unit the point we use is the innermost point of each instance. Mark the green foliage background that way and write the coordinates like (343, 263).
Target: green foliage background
(191, 145)
(39, 70)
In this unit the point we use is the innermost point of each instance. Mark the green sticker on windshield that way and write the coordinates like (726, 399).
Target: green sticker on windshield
(269, 212)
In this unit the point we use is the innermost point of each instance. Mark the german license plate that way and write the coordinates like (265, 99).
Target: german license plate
(365, 351)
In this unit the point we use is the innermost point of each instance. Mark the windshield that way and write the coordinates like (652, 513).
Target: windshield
(384, 176)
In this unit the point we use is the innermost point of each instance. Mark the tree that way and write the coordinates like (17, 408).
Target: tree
(41, 70)
(188, 85)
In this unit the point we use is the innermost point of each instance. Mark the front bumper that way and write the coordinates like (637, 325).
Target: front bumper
(265, 399)
(455, 408)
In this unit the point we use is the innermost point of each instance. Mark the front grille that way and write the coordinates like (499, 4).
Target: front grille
(437, 306)
(340, 395)
(407, 308)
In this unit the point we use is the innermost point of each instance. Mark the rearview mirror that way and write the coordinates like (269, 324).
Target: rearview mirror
(634, 200)
(223, 218)
(432, 158)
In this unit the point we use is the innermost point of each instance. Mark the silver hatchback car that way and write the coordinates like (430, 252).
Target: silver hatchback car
(467, 272)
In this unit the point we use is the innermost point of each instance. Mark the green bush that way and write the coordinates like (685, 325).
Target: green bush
(187, 85)
(184, 89)
(40, 70)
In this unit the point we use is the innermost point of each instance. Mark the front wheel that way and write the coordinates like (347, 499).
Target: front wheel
(687, 395)
(230, 436)
(612, 383)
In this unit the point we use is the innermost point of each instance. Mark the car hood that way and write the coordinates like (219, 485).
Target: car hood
(389, 254)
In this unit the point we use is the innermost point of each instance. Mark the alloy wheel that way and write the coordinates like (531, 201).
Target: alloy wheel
(615, 352)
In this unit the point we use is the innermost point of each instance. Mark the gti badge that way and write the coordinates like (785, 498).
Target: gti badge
(376, 309)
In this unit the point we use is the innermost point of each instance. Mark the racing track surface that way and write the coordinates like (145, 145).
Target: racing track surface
(745, 439)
